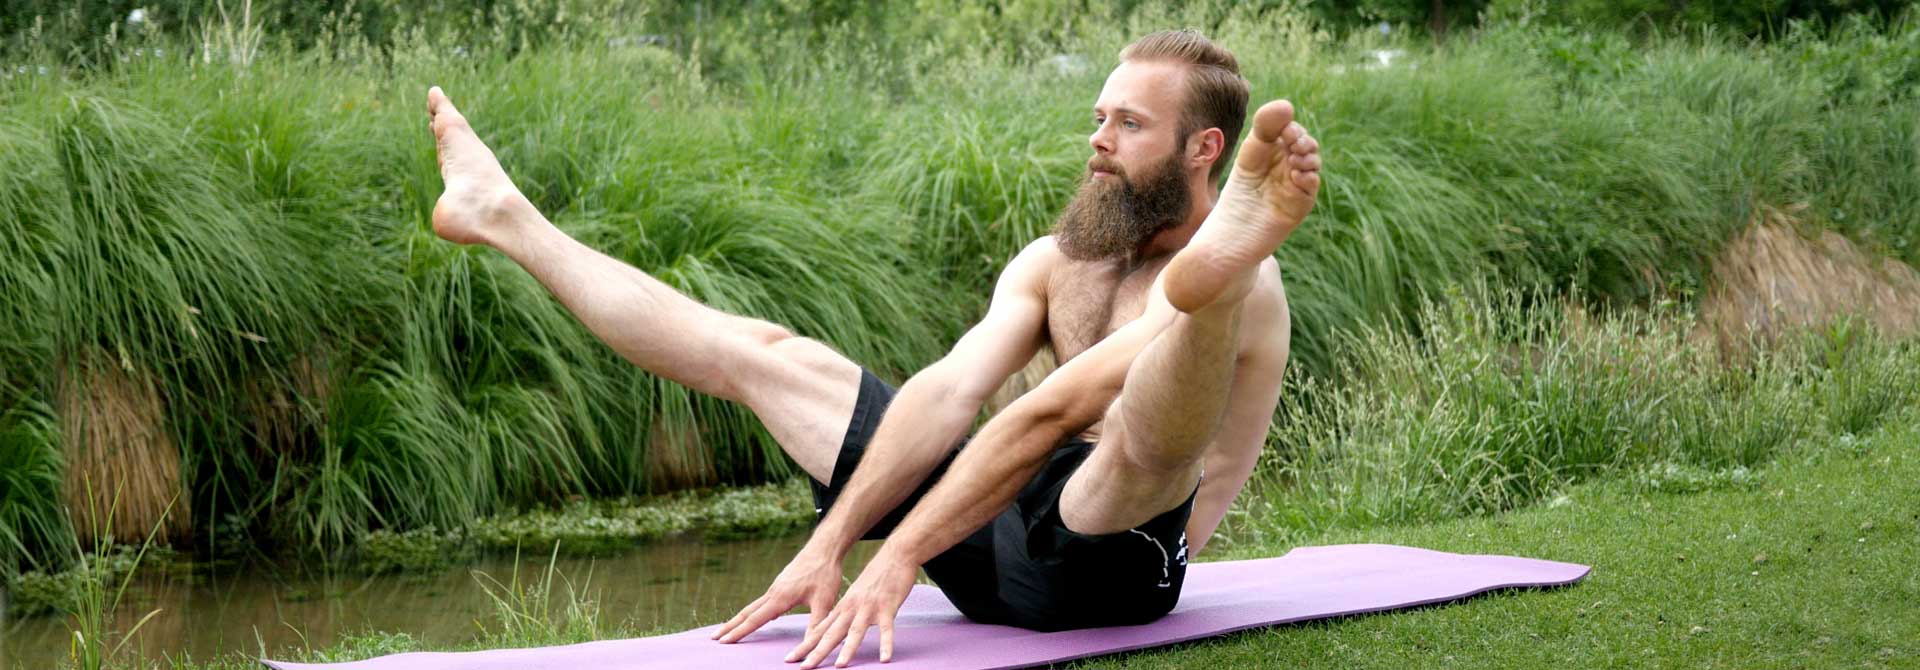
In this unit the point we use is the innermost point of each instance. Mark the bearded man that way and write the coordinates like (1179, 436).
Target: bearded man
(1078, 504)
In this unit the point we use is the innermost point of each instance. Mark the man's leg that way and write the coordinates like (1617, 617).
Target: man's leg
(1152, 439)
(1177, 389)
(800, 388)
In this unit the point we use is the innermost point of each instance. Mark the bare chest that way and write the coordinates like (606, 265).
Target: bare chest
(1086, 302)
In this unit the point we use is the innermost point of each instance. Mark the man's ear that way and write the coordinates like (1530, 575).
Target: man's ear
(1205, 148)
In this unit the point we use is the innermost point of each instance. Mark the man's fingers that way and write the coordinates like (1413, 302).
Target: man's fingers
(737, 618)
(835, 631)
(819, 607)
(768, 610)
(886, 639)
(814, 619)
(855, 635)
(814, 633)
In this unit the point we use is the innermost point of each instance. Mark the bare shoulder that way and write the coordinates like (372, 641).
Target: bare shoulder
(1034, 264)
(1042, 251)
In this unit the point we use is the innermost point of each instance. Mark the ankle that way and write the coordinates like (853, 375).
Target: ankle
(507, 218)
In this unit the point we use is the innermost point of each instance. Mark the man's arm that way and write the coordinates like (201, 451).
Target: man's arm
(1016, 443)
(986, 477)
(934, 409)
(927, 417)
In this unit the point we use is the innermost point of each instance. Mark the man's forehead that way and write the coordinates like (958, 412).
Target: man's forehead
(1150, 89)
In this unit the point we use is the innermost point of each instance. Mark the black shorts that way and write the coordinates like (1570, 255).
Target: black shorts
(1025, 568)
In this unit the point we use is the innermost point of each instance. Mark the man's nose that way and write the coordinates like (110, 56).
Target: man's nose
(1101, 140)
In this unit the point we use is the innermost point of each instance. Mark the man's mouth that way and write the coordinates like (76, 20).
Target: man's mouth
(1098, 168)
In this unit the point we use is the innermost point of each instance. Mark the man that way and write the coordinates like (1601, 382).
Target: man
(1074, 506)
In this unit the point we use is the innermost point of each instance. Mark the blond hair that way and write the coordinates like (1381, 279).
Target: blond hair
(1216, 93)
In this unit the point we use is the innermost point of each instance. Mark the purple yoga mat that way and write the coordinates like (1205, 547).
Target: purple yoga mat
(1307, 583)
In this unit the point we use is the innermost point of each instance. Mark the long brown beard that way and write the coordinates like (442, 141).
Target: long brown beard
(1111, 218)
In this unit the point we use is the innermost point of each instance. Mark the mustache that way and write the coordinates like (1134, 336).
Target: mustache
(1104, 164)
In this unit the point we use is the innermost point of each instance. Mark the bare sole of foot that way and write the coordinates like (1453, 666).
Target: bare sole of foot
(480, 199)
(1274, 181)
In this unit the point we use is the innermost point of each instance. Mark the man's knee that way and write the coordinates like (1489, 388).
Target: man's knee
(811, 355)
(749, 352)
(771, 357)
(756, 332)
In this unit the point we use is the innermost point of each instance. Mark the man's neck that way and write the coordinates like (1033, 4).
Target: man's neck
(1171, 240)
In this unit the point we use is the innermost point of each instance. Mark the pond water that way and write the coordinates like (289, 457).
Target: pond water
(671, 585)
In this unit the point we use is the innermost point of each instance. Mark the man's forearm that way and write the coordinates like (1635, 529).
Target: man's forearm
(1015, 444)
(921, 425)
(984, 480)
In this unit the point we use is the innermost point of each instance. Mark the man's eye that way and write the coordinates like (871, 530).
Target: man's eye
(1132, 125)
(1099, 120)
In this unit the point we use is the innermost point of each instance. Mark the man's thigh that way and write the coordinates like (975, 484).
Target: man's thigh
(1054, 577)
(1113, 491)
(804, 393)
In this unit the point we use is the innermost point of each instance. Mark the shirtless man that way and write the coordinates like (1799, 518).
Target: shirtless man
(1074, 506)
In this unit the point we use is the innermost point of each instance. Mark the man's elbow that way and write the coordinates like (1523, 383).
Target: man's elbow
(1051, 414)
(955, 383)
(937, 381)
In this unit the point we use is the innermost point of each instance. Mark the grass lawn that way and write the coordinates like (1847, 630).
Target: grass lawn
(1807, 563)
(1810, 564)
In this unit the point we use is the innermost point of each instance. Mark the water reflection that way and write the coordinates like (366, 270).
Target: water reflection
(670, 586)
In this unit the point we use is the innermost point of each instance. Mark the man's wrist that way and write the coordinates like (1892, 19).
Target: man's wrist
(825, 543)
(903, 548)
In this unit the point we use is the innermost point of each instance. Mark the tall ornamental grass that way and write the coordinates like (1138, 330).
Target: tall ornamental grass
(249, 237)
(1510, 397)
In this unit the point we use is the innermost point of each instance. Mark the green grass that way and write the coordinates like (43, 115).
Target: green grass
(1807, 565)
(252, 239)
(1504, 400)
(31, 516)
(609, 526)
(1829, 529)
(1516, 424)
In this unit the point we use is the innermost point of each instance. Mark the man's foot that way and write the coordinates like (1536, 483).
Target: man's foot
(1275, 178)
(480, 200)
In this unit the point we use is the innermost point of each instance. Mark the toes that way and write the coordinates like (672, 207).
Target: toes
(1306, 145)
(1264, 144)
(1271, 119)
(1292, 134)
(437, 99)
(442, 113)
(1307, 181)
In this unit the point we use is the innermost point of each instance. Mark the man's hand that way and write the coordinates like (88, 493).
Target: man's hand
(872, 601)
(812, 578)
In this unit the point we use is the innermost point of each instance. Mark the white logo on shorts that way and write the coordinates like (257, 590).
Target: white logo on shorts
(1166, 564)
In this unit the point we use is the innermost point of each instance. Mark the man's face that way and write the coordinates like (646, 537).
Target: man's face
(1136, 183)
